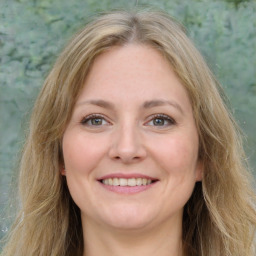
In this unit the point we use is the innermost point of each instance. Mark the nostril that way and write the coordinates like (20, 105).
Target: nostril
(125, 151)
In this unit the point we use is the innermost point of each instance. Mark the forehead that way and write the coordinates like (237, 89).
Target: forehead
(133, 72)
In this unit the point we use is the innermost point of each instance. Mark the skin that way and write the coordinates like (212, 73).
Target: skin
(127, 137)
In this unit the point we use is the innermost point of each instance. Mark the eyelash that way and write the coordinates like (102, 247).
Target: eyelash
(167, 118)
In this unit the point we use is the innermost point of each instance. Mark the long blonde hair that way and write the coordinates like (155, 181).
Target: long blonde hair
(219, 219)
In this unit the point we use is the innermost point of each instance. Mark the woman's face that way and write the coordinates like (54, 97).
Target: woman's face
(131, 146)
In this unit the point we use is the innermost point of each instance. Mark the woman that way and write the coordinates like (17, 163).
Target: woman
(132, 151)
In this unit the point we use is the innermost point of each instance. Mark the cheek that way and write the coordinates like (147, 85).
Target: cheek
(81, 153)
(177, 155)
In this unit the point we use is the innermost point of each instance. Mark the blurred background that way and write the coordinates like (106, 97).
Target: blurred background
(33, 32)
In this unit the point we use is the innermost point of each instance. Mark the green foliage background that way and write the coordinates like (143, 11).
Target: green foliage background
(33, 32)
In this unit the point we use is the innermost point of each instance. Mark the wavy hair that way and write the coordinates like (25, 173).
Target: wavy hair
(220, 217)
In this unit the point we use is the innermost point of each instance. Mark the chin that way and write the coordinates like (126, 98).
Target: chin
(130, 224)
(127, 218)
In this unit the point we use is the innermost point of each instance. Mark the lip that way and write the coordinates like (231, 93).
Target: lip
(126, 176)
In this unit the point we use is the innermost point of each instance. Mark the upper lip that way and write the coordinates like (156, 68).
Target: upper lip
(126, 176)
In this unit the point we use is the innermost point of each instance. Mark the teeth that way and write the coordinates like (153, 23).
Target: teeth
(131, 182)
(127, 182)
(139, 182)
(123, 182)
(115, 182)
(105, 182)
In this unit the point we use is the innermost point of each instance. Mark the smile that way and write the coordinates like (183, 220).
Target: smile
(131, 182)
(127, 183)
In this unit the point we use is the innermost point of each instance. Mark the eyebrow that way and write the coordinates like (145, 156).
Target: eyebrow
(146, 105)
(157, 103)
(100, 103)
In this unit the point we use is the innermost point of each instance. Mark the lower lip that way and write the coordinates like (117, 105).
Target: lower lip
(128, 189)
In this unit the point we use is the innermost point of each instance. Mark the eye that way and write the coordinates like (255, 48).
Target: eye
(161, 120)
(94, 120)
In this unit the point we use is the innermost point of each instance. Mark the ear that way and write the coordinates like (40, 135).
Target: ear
(199, 170)
(62, 170)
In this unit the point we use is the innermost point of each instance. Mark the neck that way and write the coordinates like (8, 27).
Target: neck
(165, 240)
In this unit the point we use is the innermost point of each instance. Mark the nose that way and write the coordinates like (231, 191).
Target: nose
(127, 145)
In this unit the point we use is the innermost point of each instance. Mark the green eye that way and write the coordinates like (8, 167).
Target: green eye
(94, 120)
(159, 121)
